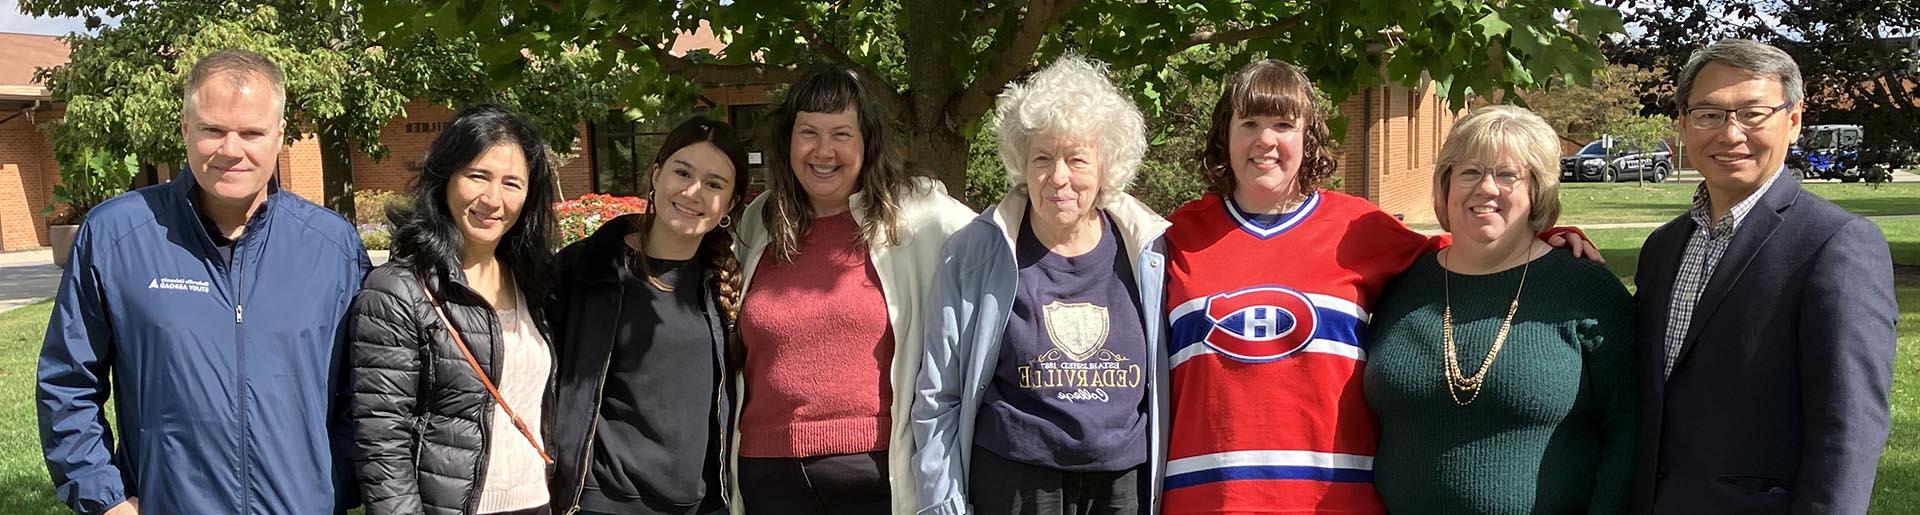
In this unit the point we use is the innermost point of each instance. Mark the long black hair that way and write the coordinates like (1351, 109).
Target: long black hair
(425, 238)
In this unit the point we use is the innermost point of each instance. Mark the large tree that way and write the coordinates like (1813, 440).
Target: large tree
(1582, 113)
(939, 64)
(1858, 57)
(122, 86)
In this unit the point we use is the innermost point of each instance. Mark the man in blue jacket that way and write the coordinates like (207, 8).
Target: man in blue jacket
(210, 308)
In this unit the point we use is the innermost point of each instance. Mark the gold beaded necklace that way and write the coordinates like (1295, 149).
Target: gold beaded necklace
(1458, 384)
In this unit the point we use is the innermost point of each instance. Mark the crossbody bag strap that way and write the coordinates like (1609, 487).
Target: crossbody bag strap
(461, 343)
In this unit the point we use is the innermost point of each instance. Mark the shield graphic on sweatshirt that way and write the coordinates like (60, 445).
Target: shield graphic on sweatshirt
(1078, 329)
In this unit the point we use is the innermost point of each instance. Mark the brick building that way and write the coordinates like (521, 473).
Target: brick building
(1392, 137)
(1386, 155)
(27, 169)
(407, 139)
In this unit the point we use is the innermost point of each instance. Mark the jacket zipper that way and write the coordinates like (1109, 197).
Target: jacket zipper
(723, 429)
(593, 429)
(486, 414)
(240, 353)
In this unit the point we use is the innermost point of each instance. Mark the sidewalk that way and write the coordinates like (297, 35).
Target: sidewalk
(1689, 176)
(1650, 225)
(28, 276)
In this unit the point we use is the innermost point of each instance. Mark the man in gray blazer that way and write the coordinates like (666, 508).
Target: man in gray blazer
(1766, 315)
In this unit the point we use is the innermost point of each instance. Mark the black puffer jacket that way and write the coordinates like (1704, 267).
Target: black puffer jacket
(421, 418)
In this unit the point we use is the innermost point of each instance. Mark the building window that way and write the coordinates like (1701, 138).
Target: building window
(623, 150)
(615, 169)
(745, 120)
(1413, 129)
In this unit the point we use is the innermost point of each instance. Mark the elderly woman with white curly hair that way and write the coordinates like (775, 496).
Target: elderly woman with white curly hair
(1042, 385)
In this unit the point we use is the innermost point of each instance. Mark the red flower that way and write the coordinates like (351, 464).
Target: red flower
(580, 217)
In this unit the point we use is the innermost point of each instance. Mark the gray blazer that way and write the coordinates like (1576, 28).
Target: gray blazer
(972, 297)
(1778, 400)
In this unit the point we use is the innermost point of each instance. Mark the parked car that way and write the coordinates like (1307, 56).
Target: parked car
(1827, 152)
(1605, 160)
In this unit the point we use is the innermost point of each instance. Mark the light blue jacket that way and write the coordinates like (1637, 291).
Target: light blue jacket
(967, 312)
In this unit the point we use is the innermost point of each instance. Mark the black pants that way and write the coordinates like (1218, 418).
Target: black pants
(845, 484)
(996, 486)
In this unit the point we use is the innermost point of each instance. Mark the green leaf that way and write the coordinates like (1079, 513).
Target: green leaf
(1492, 25)
(1599, 20)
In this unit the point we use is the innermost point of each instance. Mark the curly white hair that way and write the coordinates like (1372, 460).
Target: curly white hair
(1072, 99)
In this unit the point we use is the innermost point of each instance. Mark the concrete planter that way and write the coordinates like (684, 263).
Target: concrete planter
(62, 236)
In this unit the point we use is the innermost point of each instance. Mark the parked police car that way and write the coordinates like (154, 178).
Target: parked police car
(1605, 160)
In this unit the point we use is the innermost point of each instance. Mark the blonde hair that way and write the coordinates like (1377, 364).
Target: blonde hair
(236, 67)
(1499, 131)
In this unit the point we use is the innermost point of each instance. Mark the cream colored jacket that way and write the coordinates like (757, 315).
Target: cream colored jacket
(927, 217)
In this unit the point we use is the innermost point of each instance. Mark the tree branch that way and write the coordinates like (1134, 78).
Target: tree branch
(1013, 55)
(1209, 37)
(888, 94)
(761, 73)
(754, 73)
(984, 18)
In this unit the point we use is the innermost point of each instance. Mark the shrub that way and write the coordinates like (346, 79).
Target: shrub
(376, 236)
(580, 217)
(987, 179)
(370, 206)
(87, 178)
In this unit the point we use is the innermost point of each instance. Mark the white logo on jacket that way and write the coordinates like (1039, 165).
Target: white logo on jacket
(165, 283)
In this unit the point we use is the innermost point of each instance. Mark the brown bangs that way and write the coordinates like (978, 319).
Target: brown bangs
(1268, 88)
(1272, 90)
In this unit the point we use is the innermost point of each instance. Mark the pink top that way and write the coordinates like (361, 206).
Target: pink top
(516, 477)
(818, 350)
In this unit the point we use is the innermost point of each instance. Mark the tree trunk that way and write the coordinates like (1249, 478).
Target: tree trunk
(336, 170)
(942, 152)
(934, 142)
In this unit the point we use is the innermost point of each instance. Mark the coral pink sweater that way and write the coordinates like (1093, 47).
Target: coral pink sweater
(818, 348)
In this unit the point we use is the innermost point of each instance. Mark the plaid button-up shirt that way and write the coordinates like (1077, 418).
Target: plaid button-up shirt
(1704, 248)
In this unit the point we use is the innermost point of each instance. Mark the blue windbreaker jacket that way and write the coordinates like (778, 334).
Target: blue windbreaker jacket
(227, 380)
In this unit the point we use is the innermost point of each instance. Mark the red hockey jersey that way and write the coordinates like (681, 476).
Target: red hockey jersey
(1267, 324)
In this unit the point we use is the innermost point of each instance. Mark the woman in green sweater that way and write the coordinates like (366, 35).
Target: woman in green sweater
(1500, 368)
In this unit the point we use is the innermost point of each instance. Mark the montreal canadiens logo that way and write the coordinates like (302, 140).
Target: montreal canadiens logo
(1260, 324)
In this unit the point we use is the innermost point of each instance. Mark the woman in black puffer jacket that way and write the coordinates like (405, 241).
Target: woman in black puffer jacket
(429, 436)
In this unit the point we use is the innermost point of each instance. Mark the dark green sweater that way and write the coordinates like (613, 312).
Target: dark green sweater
(1552, 430)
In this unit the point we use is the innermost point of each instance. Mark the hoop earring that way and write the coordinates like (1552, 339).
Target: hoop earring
(650, 208)
(726, 221)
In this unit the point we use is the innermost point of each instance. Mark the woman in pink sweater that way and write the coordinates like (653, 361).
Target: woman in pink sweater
(837, 257)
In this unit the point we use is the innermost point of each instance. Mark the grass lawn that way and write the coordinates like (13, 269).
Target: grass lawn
(24, 489)
(1589, 203)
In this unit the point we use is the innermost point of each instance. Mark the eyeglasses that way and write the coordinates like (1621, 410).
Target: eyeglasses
(1747, 118)
(1470, 178)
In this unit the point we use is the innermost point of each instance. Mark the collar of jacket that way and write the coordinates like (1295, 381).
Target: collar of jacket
(1138, 225)
(604, 251)
(1779, 197)
(184, 186)
(926, 201)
